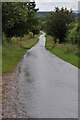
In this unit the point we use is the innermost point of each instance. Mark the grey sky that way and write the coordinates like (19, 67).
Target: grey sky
(49, 5)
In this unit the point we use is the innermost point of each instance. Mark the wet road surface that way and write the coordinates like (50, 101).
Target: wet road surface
(48, 86)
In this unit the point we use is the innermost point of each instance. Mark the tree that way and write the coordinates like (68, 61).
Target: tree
(33, 20)
(19, 18)
(14, 18)
(57, 22)
(73, 34)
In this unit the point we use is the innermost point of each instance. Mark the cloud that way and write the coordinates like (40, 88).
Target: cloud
(49, 5)
(49, 1)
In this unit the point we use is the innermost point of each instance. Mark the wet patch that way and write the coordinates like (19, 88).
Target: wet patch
(32, 54)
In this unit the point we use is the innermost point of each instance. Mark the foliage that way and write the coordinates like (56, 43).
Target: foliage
(12, 53)
(73, 34)
(19, 18)
(36, 26)
(15, 40)
(56, 24)
(65, 51)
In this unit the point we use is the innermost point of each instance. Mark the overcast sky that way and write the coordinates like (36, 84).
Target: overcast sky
(49, 5)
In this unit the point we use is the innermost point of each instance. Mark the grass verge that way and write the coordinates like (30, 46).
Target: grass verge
(66, 52)
(11, 54)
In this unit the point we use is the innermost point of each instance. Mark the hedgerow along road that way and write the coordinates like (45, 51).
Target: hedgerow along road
(48, 86)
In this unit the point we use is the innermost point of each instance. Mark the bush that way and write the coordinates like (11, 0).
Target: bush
(73, 35)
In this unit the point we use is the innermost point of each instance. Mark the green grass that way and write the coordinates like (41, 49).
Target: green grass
(66, 52)
(11, 54)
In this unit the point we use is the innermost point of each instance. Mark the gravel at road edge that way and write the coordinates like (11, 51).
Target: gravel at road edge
(10, 95)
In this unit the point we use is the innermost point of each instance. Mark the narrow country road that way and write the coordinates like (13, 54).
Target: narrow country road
(48, 86)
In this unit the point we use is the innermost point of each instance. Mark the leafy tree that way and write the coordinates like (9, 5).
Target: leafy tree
(14, 18)
(36, 26)
(18, 18)
(57, 23)
(72, 34)
(33, 20)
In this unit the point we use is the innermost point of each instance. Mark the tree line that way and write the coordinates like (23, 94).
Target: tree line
(63, 26)
(19, 18)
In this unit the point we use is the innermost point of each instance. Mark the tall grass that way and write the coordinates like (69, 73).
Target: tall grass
(65, 51)
(12, 52)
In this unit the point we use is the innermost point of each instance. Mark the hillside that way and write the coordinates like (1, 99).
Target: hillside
(42, 15)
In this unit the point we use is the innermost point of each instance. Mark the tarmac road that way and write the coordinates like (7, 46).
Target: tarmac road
(48, 86)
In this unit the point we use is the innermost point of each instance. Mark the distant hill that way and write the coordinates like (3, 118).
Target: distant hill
(76, 11)
(77, 14)
(42, 15)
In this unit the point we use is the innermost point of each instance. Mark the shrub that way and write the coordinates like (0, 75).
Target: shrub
(72, 35)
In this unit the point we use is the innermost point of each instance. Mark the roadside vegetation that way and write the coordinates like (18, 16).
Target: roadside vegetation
(13, 52)
(67, 52)
(63, 35)
(21, 28)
